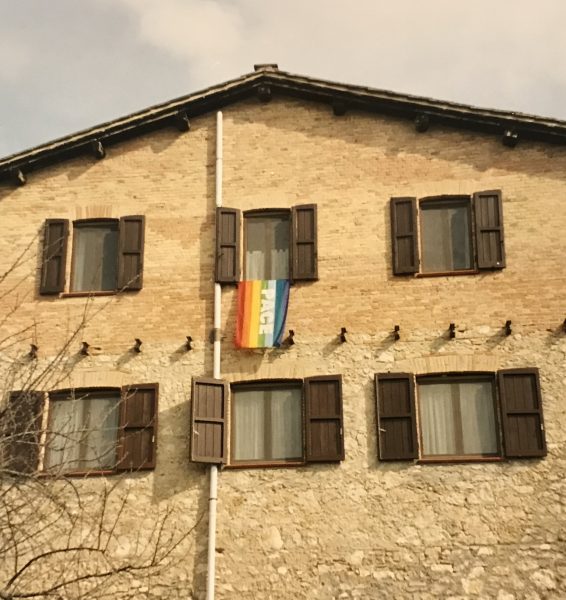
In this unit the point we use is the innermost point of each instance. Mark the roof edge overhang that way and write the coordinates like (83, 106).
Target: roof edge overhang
(280, 83)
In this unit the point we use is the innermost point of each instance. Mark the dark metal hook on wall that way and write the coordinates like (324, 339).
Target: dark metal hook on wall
(452, 331)
(188, 343)
(342, 335)
(396, 334)
(137, 345)
(507, 327)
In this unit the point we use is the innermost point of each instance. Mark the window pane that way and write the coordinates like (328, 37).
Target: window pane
(446, 237)
(82, 433)
(95, 261)
(267, 247)
(458, 418)
(267, 424)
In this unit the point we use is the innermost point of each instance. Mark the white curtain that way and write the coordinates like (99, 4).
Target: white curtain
(267, 247)
(95, 251)
(457, 418)
(445, 238)
(267, 424)
(82, 433)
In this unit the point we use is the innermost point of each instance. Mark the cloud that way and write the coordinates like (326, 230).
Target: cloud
(77, 64)
(15, 58)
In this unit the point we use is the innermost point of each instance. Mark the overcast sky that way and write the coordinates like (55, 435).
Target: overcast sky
(66, 65)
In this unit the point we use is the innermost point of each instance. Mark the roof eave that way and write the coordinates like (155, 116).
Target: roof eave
(352, 97)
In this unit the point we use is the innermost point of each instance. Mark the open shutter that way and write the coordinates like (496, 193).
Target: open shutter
(404, 236)
(54, 256)
(227, 245)
(490, 246)
(396, 418)
(130, 257)
(138, 427)
(521, 413)
(21, 430)
(304, 249)
(208, 420)
(324, 420)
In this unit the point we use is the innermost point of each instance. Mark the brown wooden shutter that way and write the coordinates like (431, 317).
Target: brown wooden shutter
(21, 430)
(404, 236)
(54, 256)
(490, 246)
(396, 417)
(130, 253)
(304, 250)
(227, 245)
(138, 427)
(521, 413)
(208, 420)
(324, 420)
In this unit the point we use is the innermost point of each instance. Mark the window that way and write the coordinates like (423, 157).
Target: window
(267, 246)
(82, 431)
(278, 244)
(95, 253)
(107, 255)
(272, 422)
(447, 234)
(468, 416)
(457, 417)
(267, 423)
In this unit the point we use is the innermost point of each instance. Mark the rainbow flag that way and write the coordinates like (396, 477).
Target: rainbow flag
(262, 310)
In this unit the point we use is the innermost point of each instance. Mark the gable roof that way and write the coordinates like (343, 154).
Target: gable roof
(267, 81)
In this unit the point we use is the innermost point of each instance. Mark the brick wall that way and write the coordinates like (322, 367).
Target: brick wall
(361, 528)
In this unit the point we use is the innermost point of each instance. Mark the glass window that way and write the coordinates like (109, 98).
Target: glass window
(457, 417)
(446, 239)
(82, 431)
(95, 256)
(267, 423)
(267, 246)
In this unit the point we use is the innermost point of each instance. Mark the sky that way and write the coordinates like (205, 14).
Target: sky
(66, 65)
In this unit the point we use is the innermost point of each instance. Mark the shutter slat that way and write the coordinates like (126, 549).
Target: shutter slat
(521, 413)
(53, 267)
(227, 268)
(131, 250)
(304, 251)
(404, 236)
(490, 245)
(21, 430)
(396, 416)
(208, 420)
(138, 427)
(324, 419)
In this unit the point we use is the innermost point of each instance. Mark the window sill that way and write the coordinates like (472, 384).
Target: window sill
(459, 459)
(266, 465)
(447, 273)
(82, 474)
(87, 294)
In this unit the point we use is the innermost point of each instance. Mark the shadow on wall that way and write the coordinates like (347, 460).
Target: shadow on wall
(360, 128)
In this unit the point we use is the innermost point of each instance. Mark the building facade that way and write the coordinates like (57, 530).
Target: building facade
(406, 440)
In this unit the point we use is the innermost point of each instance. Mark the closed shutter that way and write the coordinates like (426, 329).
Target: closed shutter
(324, 420)
(396, 418)
(54, 256)
(304, 249)
(130, 258)
(138, 427)
(521, 413)
(21, 430)
(227, 245)
(208, 420)
(490, 246)
(404, 236)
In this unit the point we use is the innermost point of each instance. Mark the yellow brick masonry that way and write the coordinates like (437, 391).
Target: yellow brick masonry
(361, 529)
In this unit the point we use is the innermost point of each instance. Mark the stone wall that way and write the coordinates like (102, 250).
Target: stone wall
(362, 528)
